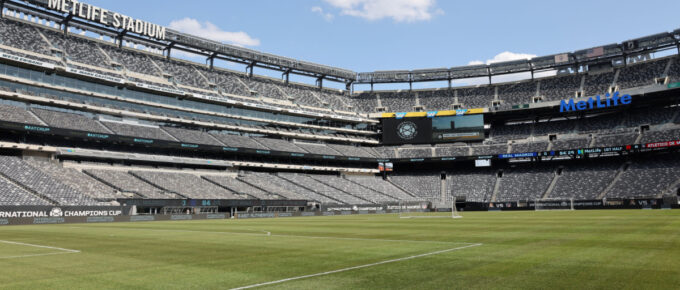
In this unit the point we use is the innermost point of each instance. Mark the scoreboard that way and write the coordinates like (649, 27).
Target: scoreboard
(425, 130)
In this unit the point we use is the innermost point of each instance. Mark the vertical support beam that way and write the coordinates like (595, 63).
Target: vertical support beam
(488, 71)
(2, 8)
(249, 69)
(65, 23)
(286, 76)
(319, 82)
(119, 38)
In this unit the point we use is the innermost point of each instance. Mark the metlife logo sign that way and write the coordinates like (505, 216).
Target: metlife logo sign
(597, 103)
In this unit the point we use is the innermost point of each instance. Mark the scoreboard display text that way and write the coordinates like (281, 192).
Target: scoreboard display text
(426, 130)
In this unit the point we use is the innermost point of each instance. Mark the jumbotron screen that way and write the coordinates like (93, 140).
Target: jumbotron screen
(433, 130)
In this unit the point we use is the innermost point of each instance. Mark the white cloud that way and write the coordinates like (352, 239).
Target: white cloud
(176, 53)
(211, 31)
(326, 16)
(504, 56)
(398, 10)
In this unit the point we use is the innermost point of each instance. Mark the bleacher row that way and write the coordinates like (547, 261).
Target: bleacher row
(138, 65)
(613, 130)
(596, 179)
(32, 181)
(87, 122)
(72, 93)
(505, 95)
(141, 66)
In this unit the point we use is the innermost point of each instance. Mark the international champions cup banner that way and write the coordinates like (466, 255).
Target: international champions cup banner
(61, 211)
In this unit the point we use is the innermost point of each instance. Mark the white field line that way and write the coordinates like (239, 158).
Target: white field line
(62, 250)
(355, 267)
(269, 234)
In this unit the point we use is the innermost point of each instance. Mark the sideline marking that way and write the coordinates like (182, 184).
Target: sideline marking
(269, 234)
(355, 267)
(63, 250)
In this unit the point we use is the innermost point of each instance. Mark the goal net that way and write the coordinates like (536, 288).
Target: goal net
(420, 210)
(554, 204)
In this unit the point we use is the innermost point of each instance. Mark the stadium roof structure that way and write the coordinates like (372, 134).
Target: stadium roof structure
(172, 39)
(177, 40)
(616, 52)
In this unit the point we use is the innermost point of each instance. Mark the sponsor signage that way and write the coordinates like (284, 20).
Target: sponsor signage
(663, 144)
(215, 216)
(48, 220)
(100, 219)
(36, 128)
(178, 217)
(95, 75)
(98, 135)
(59, 212)
(597, 103)
(431, 114)
(106, 17)
(560, 58)
(518, 155)
(142, 218)
(159, 88)
(255, 215)
(26, 60)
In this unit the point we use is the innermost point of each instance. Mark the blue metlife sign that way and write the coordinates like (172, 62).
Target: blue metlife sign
(597, 103)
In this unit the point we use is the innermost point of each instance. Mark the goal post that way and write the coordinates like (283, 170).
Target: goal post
(420, 210)
(554, 204)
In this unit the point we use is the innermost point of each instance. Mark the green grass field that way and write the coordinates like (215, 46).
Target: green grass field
(553, 249)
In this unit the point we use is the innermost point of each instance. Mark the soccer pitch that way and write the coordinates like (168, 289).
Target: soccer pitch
(552, 249)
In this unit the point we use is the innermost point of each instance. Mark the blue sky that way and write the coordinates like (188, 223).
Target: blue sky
(368, 35)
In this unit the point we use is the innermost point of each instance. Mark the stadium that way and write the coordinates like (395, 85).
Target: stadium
(125, 166)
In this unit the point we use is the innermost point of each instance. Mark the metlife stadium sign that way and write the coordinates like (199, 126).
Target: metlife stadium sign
(596, 103)
(106, 17)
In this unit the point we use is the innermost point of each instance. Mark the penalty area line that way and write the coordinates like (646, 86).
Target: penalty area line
(356, 267)
(62, 250)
